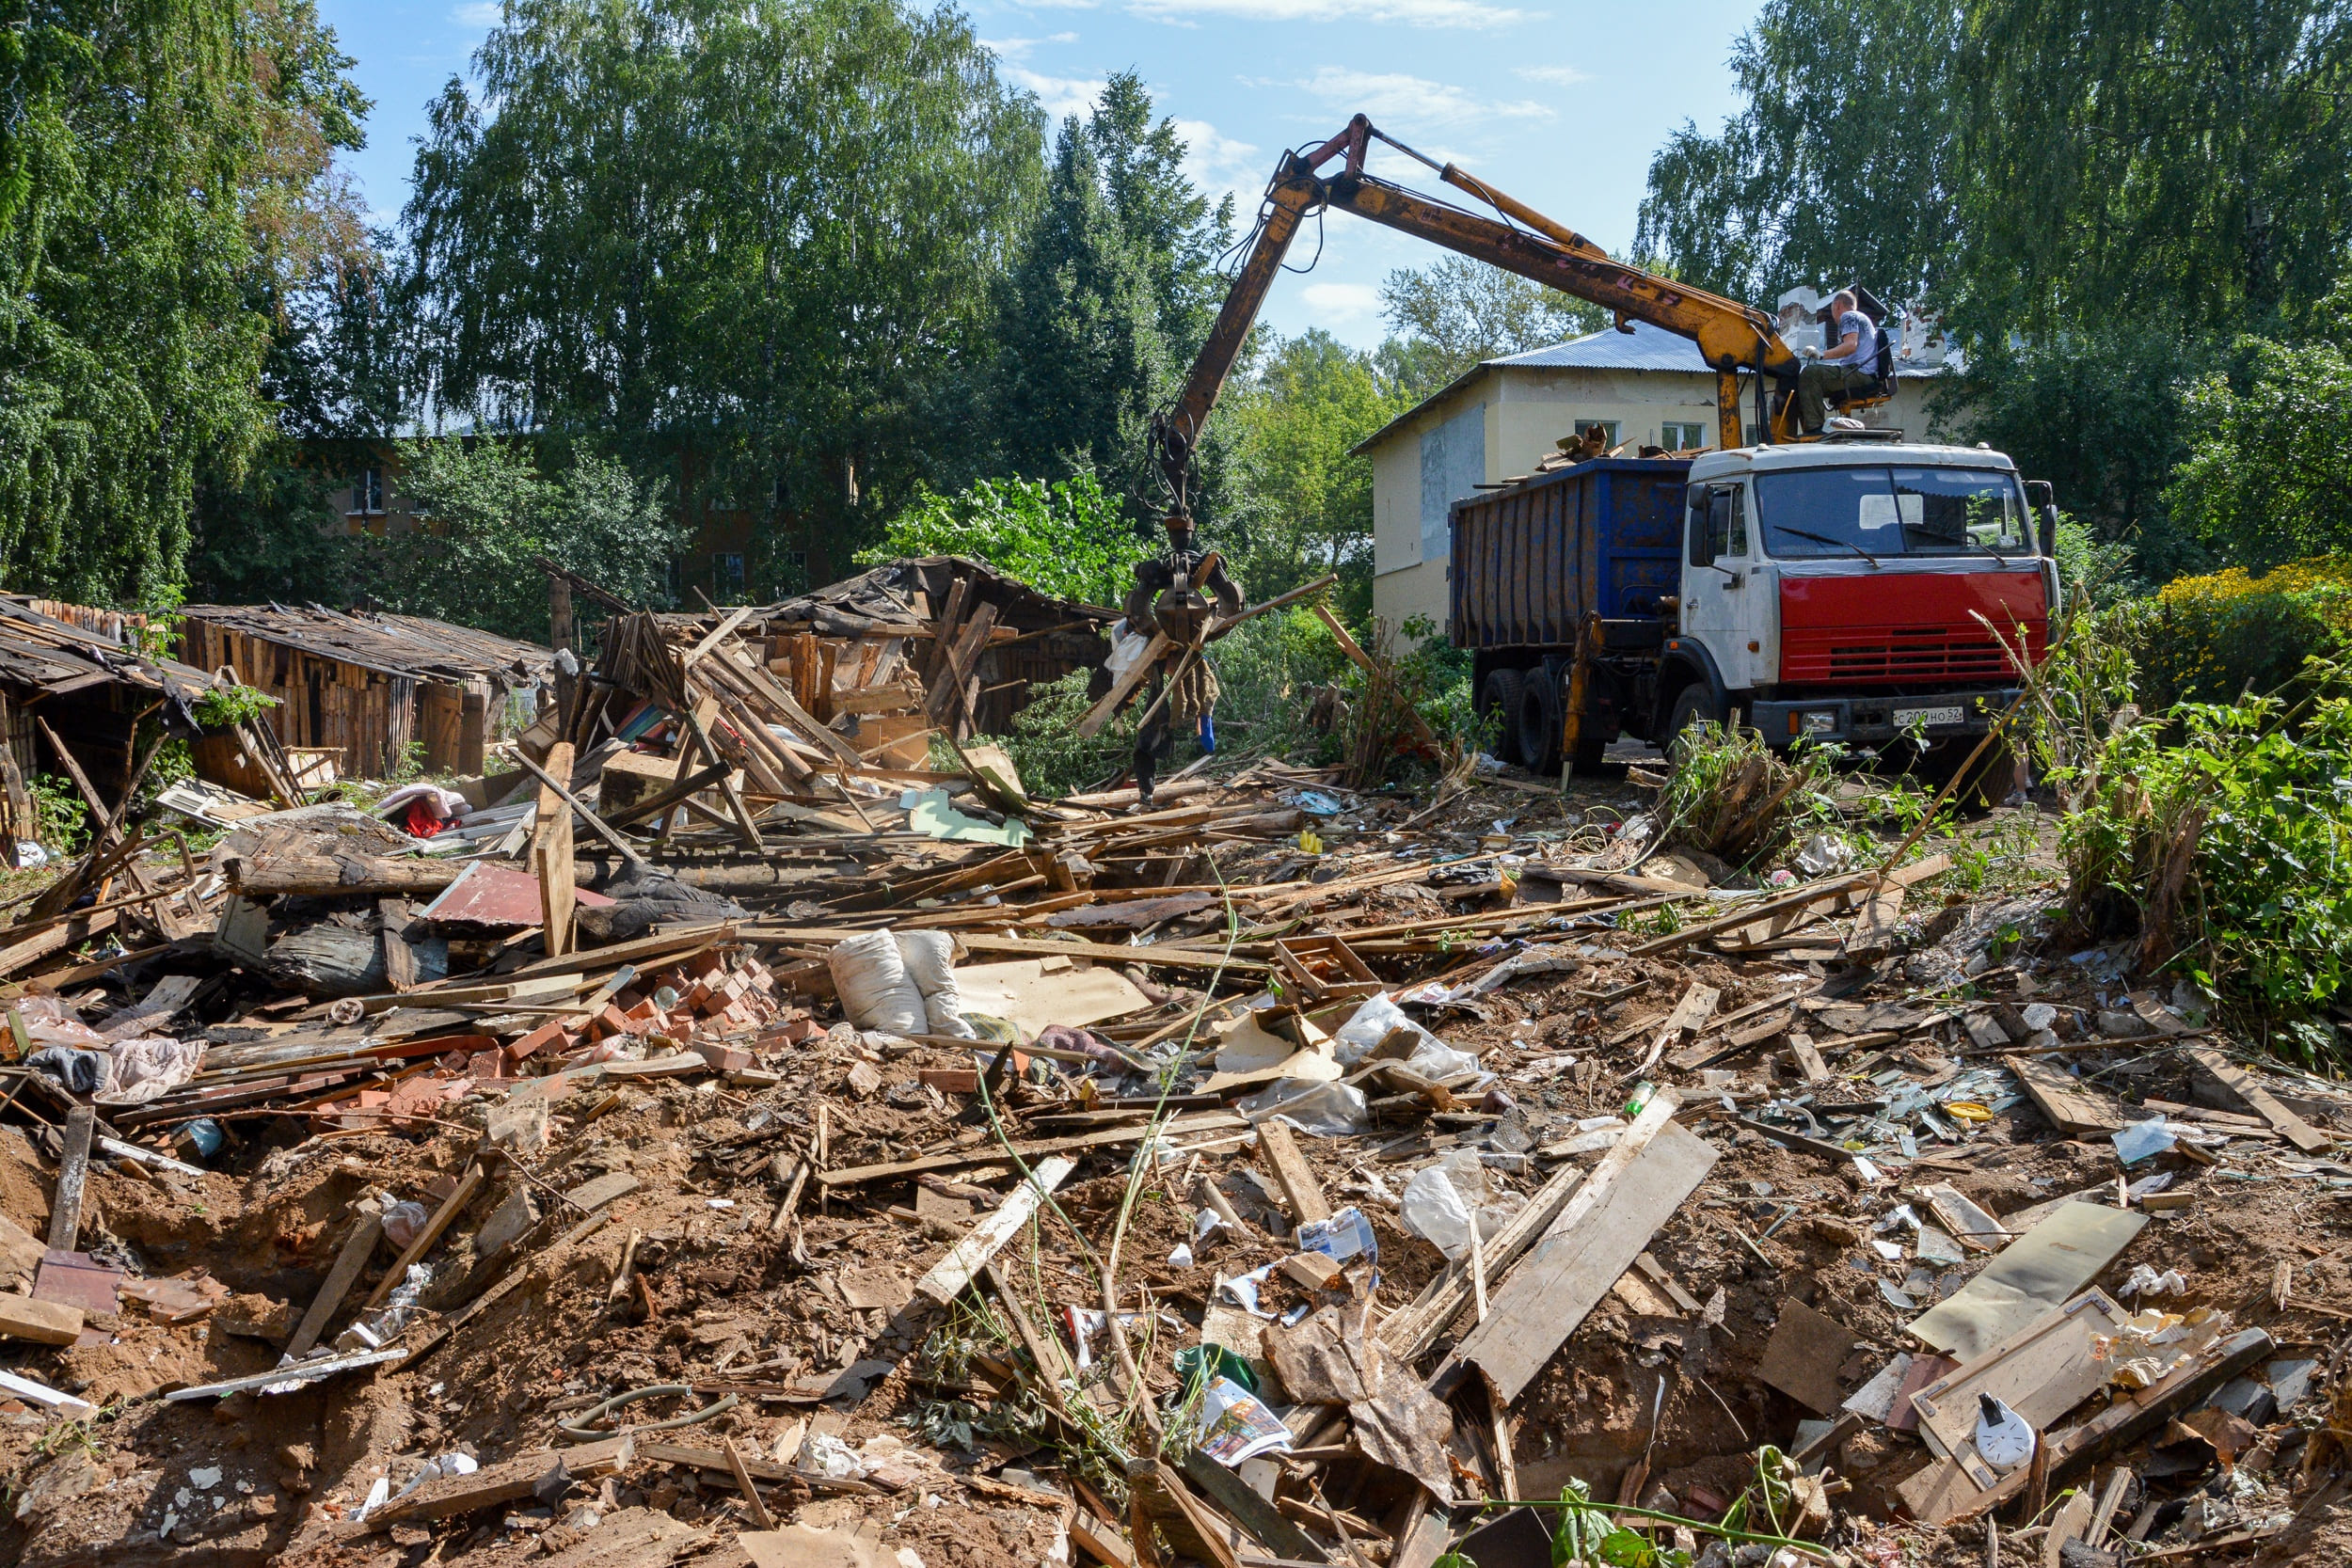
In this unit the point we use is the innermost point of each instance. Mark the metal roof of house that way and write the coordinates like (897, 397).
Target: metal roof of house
(1644, 348)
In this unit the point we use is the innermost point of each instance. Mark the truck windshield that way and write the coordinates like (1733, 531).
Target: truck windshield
(1891, 512)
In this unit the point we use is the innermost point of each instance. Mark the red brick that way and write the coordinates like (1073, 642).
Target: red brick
(547, 1034)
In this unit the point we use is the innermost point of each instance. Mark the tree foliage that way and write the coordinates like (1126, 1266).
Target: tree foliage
(2269, 476)
(1065, 537)
(488, 511)
(1309, 401)
(2036, 164)
(751, 241)
(1108, 300)
(1456, 311)
(164, 174)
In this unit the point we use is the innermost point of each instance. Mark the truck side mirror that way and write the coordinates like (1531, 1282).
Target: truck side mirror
(1702, 537)
(2041, 499)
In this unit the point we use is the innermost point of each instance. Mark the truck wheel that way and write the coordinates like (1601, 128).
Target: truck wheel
(1500, 706)
(1694, 705)
(1986, 784)
(1539, 723)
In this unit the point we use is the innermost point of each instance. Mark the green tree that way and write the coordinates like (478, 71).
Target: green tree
(1309, 401)
(1065, 538)
(1113, 291)
(750, 244)
(488, 512)
(166, 169)
(2269, 475)
(1457, 311)
(1838, 167)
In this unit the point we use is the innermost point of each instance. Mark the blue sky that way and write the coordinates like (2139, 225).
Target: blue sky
(1559, 103)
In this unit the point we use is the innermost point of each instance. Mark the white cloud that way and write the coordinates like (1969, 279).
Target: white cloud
(1216, 163)
(1416, 14)
(1342, 302)
(1408, 100)
(1058, 96)
(1018, 49)
(1555, 75)
(480, 14)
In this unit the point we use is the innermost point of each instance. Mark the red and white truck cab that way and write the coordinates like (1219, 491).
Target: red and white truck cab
(1845, 591)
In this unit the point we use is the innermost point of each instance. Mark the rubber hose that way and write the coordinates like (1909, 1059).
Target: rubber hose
(582, 1431)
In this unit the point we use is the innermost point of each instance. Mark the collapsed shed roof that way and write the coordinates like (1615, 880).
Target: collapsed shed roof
(44, 654)
(413, 646)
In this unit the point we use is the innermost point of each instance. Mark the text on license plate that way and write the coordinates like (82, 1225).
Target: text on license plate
(1931, 717)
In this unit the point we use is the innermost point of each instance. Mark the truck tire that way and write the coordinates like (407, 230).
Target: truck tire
(1539, 721)
(1692, 705)
(1499, 705)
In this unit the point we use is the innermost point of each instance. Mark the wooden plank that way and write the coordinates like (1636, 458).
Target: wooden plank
(1252, 1513)
(2302, 1134)
(1873, 930)
(1364, 661)
(949, 1276)
(558, 768)
(733, 796)
(1121, 689)
(43, 1322)
(468, 1185)
(64, 1206)
(1808, 1058)
(358, 1248)
(551, 850)
(1411, 1331)
(1595, 1239)
(761, 1519)
(1301, 1192)
(1158, 1497)
(2055, 1095)
(400, 959)
(57, 939)
(990, 1153)
(507, 1481)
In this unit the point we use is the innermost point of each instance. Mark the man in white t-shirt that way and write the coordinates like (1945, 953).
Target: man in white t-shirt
(1848, 366)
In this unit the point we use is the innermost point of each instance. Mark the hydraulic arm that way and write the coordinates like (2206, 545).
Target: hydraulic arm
(1732, 337)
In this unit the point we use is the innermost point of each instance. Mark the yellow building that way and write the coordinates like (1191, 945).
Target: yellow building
(1492, 424)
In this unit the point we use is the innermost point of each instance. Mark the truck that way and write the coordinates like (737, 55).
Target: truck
(1856, 591)
(1810, 586)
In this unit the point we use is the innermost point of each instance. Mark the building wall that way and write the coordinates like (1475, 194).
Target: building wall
(1525, 412)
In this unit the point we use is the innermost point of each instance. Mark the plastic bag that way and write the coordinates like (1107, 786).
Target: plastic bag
(930, 957)
(402, 1222)
(1372, 1023)
(1326, 1110)
(876, 991)
(1127, 647)
(1441, 1199)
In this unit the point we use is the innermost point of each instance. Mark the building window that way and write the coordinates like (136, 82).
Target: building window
(367, 493)
(1677, 437)
(726, 576)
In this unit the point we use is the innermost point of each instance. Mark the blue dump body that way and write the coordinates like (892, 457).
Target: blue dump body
(1530, 560)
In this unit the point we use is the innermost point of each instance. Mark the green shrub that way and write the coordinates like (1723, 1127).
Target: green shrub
(1045, 746)
(2229, 849)
(1067, 538)
(2214, 639)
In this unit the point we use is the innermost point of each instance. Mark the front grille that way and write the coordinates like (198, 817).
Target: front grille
(1893, 654)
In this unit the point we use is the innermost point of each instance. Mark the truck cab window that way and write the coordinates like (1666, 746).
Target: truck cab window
(1960, 509)
(1718, 525)
(1812, 513)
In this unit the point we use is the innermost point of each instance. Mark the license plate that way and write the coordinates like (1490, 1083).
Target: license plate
(1933, 718)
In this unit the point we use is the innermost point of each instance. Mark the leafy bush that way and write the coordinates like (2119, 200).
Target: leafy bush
(1267, 673)
(1733, 796)
(1066, 538)
(223, 705)
(1045, 747)
(2230, 850)
(61, 818)
(2214, 639)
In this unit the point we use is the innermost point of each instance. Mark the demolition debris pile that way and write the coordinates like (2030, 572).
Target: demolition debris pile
(718, 1134)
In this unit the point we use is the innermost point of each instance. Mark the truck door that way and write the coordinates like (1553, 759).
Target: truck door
(1728, 592)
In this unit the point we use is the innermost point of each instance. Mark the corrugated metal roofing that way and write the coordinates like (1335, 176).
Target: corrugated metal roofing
(1644, 348)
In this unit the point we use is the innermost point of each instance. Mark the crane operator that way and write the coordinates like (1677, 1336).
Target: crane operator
(1172, 593)
(1848, 366)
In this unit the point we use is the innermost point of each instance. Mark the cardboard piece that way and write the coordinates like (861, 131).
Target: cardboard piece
(2036, 1274)
(1803, 1355)
(1032, 994)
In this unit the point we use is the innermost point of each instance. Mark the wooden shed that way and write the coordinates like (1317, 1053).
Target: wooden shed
(362, 686)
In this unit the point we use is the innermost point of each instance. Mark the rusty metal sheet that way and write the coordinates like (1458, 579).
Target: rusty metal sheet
(76, 1279)
(486, 893)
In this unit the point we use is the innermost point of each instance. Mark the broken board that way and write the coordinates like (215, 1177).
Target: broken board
(2044, 1371)
(2034, 1274)
(1032, 997)
(1803, 1355)
(2056, 1097)
(1549, 1294)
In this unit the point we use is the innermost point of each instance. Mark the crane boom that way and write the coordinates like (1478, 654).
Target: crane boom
(1730, 336)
